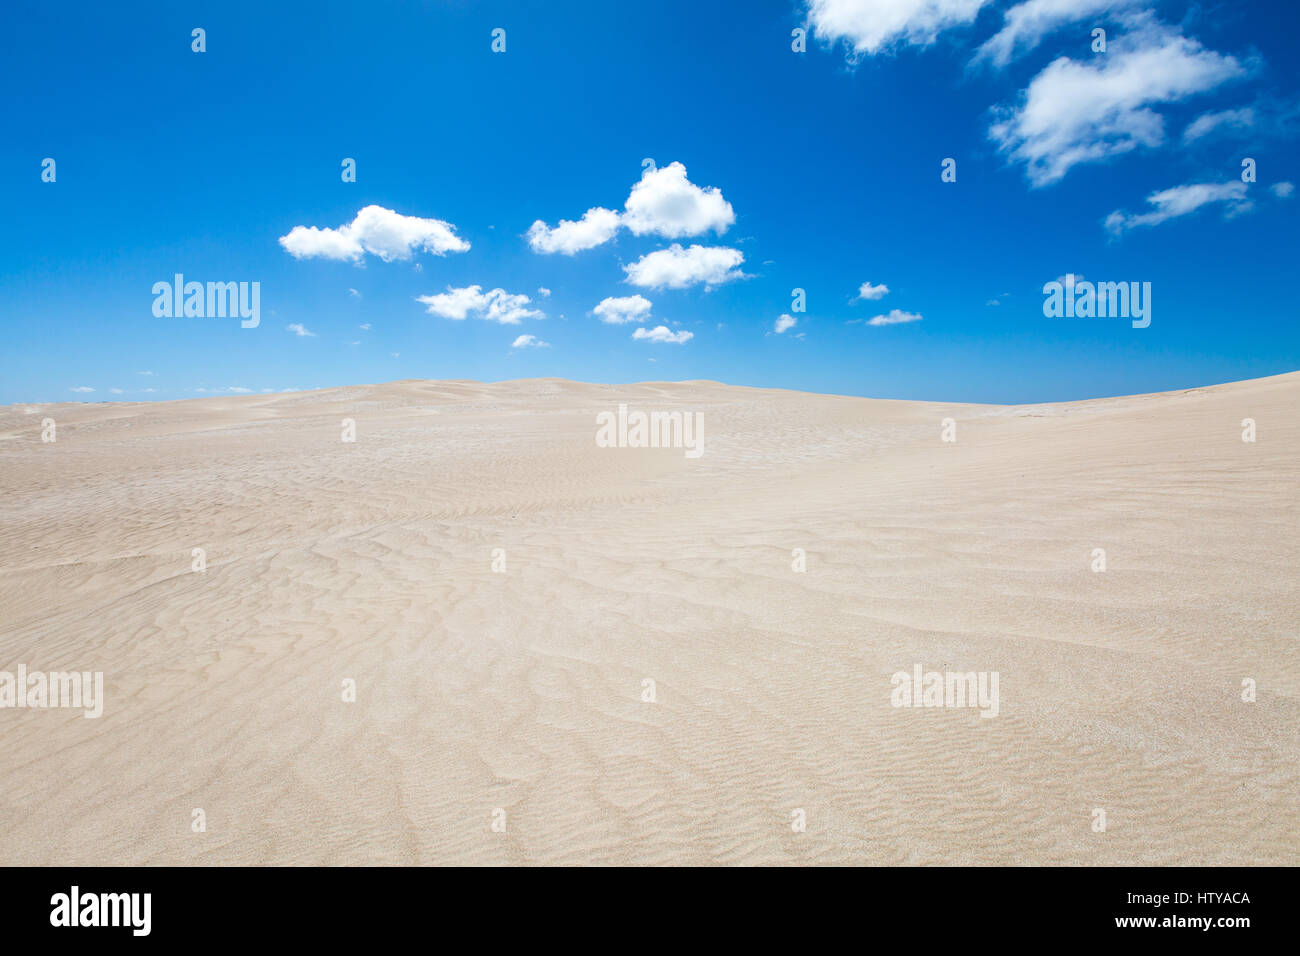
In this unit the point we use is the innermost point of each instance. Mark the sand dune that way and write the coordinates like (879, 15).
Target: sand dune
(522, 689)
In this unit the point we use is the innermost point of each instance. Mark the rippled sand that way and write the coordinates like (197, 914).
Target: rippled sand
(522, 690)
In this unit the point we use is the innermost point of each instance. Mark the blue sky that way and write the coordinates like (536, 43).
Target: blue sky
(820, 168)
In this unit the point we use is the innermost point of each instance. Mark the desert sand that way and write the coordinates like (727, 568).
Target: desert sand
(521, 689)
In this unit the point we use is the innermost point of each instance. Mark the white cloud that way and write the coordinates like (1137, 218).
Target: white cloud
(529, 342)
(144, 373)
(677, 268)
(378, 231)
(238, 389)
(1077, 112)
(364, 326)
(868, 291)
(596, 227)
(784, 323)
(300, 330)
(664, 202)
(1207, 123)
(869, 26)
(894, 317)
(1026, 24)
(668, 204)
(1282, 190)
(1180, 201)
(629, 308)
(354, 293)
(495, 305)
(661, 333)
(116, 391)
(543, 291)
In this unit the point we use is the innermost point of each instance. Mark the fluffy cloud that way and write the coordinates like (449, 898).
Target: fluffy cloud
(1180, 201)
(1076, 112)
(784, 323)
(1282, 190)
(661, 333)
(529, 342)
(894, 317)
(300, 330)
(597, 226)
(1026, 24)
(629, 308)
(668, 204)
(1207, 123)
(377, 231)
(495, 305)
(867, 291)
(663, 203)
(677, 268)
(869, 26)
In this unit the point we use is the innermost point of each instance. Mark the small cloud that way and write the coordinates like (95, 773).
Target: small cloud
(1282, 190)
(351, 343)
(894, 317)
(300, 330)
(394, 354)
(495, 305)
(1207, 123)
(1180, 201)
(81, 388)
(529, 342)
(144, 373)
(354, 293)
(238, 390)
(660, 333)
(678, 268)
(364, 326)
(867, 292)
(596, 227)
(617, 311)
(375, 231)
(116, 391)
(543, 291)
(783, 323)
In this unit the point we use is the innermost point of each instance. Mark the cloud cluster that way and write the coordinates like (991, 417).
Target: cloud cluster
(495, 305)
(664, 203)
(375, 231)
(1077, 112)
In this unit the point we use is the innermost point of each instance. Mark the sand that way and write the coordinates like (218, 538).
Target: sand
(514, 696)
